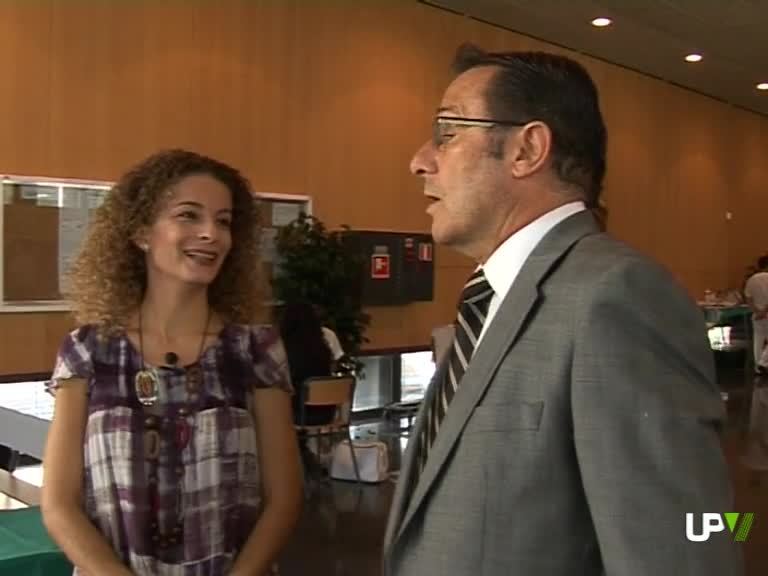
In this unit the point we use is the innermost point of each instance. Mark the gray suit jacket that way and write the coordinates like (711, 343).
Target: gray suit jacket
(584, 429)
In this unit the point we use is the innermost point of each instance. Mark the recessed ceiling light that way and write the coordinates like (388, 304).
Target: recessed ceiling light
(762, 86)
(601, 22)
(694, 58)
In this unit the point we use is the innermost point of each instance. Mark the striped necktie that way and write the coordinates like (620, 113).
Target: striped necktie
(473, 308)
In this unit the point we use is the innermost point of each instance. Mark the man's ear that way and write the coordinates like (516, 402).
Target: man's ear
(529, 149)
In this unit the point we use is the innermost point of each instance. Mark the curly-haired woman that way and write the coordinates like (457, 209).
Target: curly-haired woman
(171, 449)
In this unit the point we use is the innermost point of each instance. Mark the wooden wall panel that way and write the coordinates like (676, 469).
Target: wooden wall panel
(25, 59)
(331, 100)
(28, 342)
(31, 244)
(746, 154)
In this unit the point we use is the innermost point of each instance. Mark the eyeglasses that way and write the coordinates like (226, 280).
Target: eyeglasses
(441, 126)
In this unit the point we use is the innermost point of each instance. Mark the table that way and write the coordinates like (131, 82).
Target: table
(725, 313)
(25, 547)
(26, 410)
(734, 315)
(398, 410)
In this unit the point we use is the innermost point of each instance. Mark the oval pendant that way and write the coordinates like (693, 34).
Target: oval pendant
(146, 385)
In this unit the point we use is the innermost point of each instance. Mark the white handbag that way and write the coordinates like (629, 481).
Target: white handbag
(372, 461)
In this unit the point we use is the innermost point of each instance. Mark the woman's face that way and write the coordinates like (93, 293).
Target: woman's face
(191, 235)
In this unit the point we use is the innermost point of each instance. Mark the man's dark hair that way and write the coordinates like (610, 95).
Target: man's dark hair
(554, 90)
(762, 262)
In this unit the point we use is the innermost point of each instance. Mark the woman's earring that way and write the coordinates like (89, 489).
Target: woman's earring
(145, 247)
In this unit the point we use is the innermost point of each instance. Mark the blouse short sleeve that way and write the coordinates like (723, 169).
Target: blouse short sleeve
(269, 361)
(74, 359)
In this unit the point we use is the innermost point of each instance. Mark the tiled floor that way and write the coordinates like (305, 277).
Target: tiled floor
(751, 496)
(342, 526)
(340, 533)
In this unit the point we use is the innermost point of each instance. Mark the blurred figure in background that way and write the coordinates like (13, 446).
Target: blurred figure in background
(332, 341)
(309, 355)
(756, 293)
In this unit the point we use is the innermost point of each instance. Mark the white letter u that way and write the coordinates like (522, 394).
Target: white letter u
(689, 530)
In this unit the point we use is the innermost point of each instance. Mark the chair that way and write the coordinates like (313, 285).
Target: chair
(336, 391)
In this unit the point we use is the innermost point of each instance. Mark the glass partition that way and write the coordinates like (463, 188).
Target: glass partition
(396, 377)
(375, 383)
(416, 371)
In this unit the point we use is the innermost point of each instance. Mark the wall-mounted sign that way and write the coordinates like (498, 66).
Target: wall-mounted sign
(425, 251)
(380, 268)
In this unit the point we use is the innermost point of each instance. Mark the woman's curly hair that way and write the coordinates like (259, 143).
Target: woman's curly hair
(109, 277)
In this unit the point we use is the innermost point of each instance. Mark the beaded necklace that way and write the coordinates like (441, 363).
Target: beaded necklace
(174, 426)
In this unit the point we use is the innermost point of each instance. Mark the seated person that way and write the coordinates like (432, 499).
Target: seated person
(309, 355)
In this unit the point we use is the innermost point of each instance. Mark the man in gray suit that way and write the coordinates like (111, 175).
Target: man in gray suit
(575, 421)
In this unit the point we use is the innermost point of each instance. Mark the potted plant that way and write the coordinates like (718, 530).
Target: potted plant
(314, 266)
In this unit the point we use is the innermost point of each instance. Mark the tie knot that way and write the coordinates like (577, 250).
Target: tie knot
(476, 289)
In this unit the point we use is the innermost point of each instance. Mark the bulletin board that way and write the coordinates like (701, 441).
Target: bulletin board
(276, 210)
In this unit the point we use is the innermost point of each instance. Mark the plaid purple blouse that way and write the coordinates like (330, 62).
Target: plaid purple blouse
(218, 468)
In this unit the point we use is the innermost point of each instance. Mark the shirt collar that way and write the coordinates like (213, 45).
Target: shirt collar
(504, 264)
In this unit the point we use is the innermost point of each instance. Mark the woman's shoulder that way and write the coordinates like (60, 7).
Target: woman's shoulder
(260, 347)
(78, 351)
(84, 336)
(250, 341)
(90, 341)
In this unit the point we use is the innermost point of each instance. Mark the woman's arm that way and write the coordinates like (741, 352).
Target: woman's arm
(62, 493)
(281, 480)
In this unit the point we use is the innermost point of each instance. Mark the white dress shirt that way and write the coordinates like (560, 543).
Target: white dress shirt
(505, 263)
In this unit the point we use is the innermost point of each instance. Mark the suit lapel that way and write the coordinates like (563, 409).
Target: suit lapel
(500, 336)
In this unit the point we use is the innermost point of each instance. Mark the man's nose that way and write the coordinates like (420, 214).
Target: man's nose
(423, 162)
